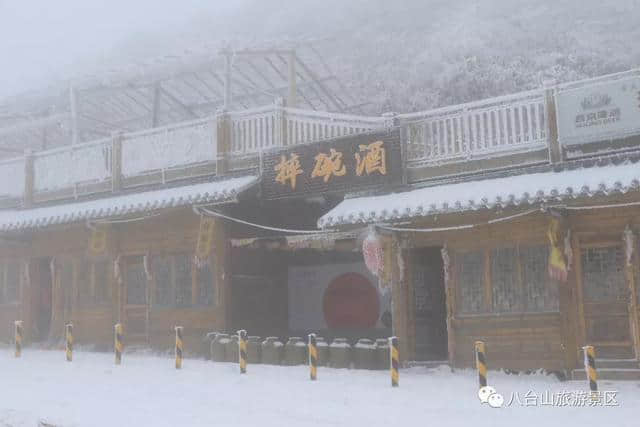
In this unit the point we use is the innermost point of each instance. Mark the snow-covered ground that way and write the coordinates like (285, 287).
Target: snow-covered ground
(146, 390)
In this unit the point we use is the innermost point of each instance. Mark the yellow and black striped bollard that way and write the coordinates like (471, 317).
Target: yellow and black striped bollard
(18, 337)
(242, 350)
(179, 347)
(68, 332)
(313, 357)
(395, 360)
(481, 364)
(118, 344)
(590, 368)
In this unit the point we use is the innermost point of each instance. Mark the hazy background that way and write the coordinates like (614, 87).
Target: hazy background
(397, 55)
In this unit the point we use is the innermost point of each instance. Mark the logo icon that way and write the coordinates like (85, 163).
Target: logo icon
(489, 395)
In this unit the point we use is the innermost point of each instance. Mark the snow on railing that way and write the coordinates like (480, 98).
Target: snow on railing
(173, 146)
(305, 126)
(275, 126)
(68, 166)
(12, 177)
(478, 129)
(256, 129)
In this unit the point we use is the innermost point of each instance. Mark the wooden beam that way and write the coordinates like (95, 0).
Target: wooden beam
(227, 80)
(175, 100)
(322, 87)
(155, 112)
(293, 91)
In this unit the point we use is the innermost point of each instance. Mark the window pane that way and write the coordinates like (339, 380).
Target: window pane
(540, 292)
(183, 280)
(504, 277)
(162, 276)
(206, 284)
(102, 284)
(13, 282)
(603, 274)
(471, 279)
(136, 283)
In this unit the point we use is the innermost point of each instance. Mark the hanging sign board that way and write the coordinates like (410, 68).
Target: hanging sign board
(610, 110)
(340, 165)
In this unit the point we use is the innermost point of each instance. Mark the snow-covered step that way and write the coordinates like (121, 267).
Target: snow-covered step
(609, 374)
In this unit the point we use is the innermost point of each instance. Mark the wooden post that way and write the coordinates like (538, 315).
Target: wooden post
(280, 123)
(29, 178)
(555, 151)
(292, 96)
(116, 162)
(223, 141)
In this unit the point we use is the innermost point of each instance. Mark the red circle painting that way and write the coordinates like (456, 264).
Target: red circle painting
(351, 301)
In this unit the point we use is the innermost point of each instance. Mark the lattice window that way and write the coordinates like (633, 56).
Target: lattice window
(423, 298)
(9, 282)
(540, 292)
(603, 274)
(136, 282)
(183, 283)
(506, 292)
(206, 284)
(471, 280)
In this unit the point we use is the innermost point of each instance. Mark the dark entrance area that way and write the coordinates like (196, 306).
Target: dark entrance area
(41, 286)
(429, 304)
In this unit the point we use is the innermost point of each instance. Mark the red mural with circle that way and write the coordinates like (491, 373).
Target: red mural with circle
(351, 301)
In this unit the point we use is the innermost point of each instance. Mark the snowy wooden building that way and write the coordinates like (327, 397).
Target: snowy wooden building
(512, 220)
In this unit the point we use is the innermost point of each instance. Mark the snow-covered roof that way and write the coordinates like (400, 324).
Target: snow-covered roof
(517, 190)
(150, 201)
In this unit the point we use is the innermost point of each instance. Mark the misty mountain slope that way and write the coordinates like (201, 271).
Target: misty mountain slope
(406, 55)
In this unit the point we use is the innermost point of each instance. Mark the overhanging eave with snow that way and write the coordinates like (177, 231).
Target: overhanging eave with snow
(214, 192)
(512, 191)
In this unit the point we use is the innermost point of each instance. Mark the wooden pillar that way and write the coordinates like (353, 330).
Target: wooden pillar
(223, 141)
(393, 271)
(222, 263)
(116, 162)
(29, 178)
(293, 89)
(555, 151)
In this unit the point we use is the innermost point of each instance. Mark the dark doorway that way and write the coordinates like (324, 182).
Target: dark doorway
(41, 287)
(429, 304)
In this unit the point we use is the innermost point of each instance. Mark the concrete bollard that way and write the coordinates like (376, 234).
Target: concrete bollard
(242, 351)
(218, 346)
(382, 353)
(323, 351)
(179, 346)
(271, 351)
(118, 342)
(18, 335)
(395, 361)
(364, 354)
(253, 350)
(481, 363)
(68, 333)
(295, 352)
(231, 353)
(340, 353)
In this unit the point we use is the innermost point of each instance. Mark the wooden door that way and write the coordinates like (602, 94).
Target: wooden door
(606, 301)
(429, 304)
(136, 307)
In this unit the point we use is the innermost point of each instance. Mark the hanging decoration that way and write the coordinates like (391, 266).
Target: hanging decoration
(568, 250)
(147, 268)
(629, 242)
(97, 241)
(205, 240)
(372, 251)
(117, 272)
(557, 262)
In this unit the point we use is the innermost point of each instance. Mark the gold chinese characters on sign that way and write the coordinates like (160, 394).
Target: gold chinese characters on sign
(370, 159)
